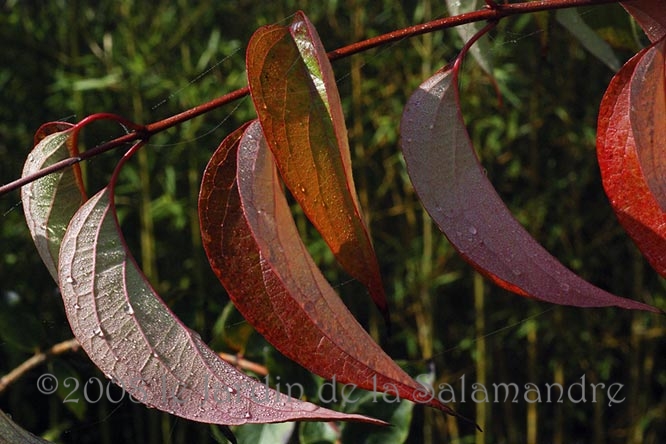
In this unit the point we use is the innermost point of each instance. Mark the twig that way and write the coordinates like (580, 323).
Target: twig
(244, 364)
(492, 12)
(70, 345)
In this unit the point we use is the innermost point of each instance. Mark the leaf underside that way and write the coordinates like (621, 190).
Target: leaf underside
(132, 336)
(648, 118)
(255, 250)
(453, 188)
(50, 202)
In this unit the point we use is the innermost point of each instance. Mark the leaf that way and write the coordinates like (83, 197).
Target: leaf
(20, 328)
(50, 202)
(11, 433)
(648, 118)
(266, 433)
(295, 94)
(481, 49)
(455, 191)
(259, 257)
(650, 15)
(634, 204)
(571, 20)
(132, 336)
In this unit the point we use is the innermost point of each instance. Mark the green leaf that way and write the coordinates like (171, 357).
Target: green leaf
(573, 22)
(481, 49)
(50, 202)
(11, 433)
(265, 433)
(21, 329)
(318, 433)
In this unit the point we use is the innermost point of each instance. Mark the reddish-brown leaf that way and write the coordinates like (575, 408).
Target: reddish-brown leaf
(648, 118)
(456, 192)
(295, 94)
(650, 15)
(268, 273)
(634, 204)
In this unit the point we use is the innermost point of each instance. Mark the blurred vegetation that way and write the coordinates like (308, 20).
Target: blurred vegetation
(64, 60)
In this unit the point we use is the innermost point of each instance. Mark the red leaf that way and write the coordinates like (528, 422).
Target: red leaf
(268, 273)
(133, 337)
(455, 191)
(634, 204)
(295, 94)
(650, 15)
(648, 118)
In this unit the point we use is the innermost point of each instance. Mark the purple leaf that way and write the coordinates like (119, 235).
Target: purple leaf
(451, 183)
(133, 337)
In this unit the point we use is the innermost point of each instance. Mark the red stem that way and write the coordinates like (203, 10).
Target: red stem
(492, 12)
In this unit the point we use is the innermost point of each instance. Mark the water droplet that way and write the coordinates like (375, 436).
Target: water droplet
(98, 332)
(472, 230)
(69, 280)
(77, 306)
(231, 390)
(302, 189)
(565, 287)
(129, 309)
(248, 415)
(155, 355)
(431, 126)
(516, 272)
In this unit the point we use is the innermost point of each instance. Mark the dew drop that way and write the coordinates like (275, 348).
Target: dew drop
(472, 230)
(129, 309)
(516, 272)
(565, 287)
(155, 355)
(77, 306)
(69, 280)
(248, 415)
(431, 126)
(231, 390)
(98, 332)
